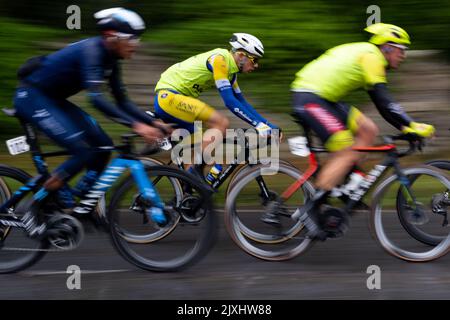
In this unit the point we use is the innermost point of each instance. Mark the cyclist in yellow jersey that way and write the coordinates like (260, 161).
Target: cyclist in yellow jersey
(181, 84)
(317, 92)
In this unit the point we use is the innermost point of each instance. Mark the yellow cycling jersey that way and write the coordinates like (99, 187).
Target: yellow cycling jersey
(201, 72)
(341, 70)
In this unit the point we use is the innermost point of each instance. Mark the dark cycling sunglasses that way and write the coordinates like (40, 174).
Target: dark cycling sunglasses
(253, 59)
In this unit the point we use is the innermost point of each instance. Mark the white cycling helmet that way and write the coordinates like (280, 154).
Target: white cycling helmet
(121, 20)
(248, 43)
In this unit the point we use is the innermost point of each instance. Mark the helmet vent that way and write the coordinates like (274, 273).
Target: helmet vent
(245, 40)
(396, 35)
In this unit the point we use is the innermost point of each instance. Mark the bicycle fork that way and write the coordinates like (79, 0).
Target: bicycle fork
(149, 194)
(417, 215)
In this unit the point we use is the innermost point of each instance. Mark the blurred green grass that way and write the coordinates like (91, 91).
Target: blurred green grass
(18, 42)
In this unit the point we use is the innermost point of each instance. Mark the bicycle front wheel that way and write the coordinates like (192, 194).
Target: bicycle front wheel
(173, 197)
(424, 183)
(190, 233)
(403, 209)
(247, 203)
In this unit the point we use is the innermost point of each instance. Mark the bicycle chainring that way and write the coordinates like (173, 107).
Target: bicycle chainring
(334, 221)
(189, 210)
(64, 232)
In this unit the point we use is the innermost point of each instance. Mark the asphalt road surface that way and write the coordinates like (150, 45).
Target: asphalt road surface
(335, 269)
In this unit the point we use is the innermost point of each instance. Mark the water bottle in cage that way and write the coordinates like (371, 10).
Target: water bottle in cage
(214, 173)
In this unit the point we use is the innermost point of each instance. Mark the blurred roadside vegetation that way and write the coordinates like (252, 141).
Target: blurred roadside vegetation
(293, 33)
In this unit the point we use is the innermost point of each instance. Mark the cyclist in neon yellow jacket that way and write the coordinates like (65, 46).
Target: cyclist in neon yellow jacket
(319, 88)
(177, 91)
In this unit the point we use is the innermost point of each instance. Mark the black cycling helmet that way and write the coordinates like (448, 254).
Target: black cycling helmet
(121, 20)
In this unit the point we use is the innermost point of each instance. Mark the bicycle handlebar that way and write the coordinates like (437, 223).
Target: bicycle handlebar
(127, 146)
(415, 142)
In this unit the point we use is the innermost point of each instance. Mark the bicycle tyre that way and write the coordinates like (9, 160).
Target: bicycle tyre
(376, 224)
(202, 245)
(414, 231)
(34, 256)
(242, 235)
(149, 162)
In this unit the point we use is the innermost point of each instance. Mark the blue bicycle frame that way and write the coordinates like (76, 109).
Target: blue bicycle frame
(87, 204)
(110, 175)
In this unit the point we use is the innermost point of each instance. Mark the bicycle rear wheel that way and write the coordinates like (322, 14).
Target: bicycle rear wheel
(182, 242)
(17, 250)
(425, 182)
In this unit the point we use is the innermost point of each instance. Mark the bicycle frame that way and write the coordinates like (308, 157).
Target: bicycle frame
(228, 170)
(89, 201)
(391, 160)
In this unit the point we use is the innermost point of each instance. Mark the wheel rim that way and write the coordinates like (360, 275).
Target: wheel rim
(380, 230)
(242, 235)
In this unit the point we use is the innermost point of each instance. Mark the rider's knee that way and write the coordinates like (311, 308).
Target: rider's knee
(370, 128)
(219, 121)
(225, 123)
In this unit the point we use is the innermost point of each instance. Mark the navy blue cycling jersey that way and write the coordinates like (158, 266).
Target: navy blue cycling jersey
(86, 65)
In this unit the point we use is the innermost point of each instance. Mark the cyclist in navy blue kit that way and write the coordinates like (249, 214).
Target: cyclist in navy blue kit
(41, 98)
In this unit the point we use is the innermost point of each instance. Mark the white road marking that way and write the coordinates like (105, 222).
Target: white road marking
(56, 272)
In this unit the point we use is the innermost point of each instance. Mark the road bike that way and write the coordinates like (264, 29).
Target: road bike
(32, 221)
(288, 238)
(244, 161)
